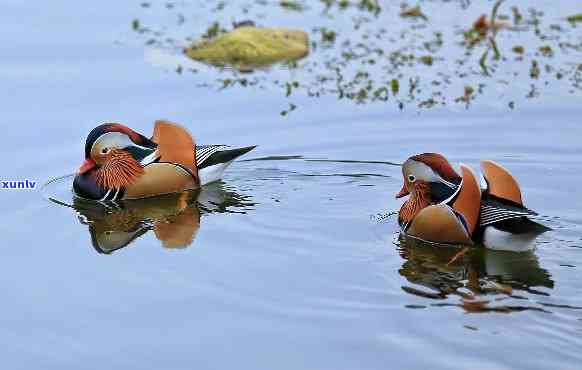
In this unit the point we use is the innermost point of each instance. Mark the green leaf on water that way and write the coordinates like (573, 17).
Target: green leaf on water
(427, 60)
(394, 86)
(546, 51)
(534, 71)
(518, 49)
(576, 18)
(292, 5)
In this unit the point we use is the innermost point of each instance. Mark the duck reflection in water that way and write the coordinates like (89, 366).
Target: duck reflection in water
(173, 218)
(485, 280)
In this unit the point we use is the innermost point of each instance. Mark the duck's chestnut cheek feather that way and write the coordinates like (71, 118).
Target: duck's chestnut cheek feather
(87, 165)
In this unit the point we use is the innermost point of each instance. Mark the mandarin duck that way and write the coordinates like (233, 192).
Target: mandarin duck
(123, 164)
(445, 207)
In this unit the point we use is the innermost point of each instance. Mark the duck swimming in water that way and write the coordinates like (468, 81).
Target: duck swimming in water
(445, 207)
(123, 164)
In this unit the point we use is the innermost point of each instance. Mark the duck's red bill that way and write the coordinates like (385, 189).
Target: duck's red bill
(403, 192)
(86, 166)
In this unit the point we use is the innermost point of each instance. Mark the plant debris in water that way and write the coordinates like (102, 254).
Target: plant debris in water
(576, 18)
(292, 5)
(364, 53)
(414, 12)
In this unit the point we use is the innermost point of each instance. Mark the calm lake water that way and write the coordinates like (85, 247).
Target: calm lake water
(291, 263)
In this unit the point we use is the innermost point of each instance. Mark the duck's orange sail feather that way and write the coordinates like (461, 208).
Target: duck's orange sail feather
(500, 182)
(175, 145)
(468, 202)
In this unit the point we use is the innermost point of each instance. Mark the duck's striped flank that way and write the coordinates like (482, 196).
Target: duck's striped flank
(492, 212)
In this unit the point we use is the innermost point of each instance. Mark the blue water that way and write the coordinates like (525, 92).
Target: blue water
(299, 271)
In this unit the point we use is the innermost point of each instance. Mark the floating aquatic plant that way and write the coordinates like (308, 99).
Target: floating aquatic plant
(251, 47)
(576, 18)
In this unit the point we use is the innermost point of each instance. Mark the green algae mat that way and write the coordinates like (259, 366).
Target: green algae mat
(251, 47)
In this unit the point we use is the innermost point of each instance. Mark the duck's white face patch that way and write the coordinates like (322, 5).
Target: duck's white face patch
(110, 140)
(417, 171)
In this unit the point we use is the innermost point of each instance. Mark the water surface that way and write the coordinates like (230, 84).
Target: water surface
(291, 264)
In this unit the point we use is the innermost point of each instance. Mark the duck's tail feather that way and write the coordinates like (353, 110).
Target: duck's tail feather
(214, 159)
(522, 225)
(211, 155)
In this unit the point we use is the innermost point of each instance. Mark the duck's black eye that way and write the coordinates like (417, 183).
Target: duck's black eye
(411, 178)
(104, 150)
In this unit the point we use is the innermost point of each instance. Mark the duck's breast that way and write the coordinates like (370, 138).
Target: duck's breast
(439, 224)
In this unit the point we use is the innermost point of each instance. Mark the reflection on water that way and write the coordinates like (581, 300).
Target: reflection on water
(483, 279)
(173, 218)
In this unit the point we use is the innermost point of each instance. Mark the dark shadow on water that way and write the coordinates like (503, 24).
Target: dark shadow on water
(274, 158)
(174, 218)
(354, 161)
(485, 280)
(357, 175)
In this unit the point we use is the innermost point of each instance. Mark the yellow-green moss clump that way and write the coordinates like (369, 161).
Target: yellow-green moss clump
(252, 47)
